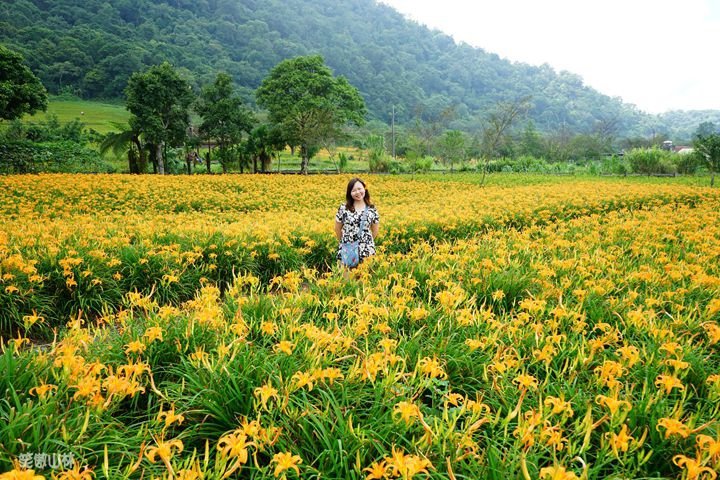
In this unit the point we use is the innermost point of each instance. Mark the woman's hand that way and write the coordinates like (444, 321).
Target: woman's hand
(374, 229)
(338, 230)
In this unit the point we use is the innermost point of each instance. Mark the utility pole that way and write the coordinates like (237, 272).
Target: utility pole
(393, 133)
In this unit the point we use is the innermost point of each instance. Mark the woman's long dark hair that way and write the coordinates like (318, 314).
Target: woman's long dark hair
(349, 202)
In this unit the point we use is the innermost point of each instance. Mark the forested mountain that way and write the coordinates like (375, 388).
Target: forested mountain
(92, 46)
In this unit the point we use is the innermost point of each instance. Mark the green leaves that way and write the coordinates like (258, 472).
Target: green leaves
(159, 100)
(308, 104)
(20, 90)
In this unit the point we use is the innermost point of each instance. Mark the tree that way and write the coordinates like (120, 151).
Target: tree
(308, 104)
(263, 142)
(707, 143)
(225, 116)
(531, 142)
(452, 147)
(21, 91)
(496, 132)
(126, 140)
(159, 101)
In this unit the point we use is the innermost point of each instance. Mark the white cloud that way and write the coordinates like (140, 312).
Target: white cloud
(657, 54)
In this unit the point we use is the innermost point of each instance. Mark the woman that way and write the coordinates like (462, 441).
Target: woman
(356, 225)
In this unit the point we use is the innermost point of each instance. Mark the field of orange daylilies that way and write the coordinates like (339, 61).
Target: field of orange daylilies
(199, 328)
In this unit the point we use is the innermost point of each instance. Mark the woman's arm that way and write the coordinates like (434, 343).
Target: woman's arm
(374, 229)
(338, 230)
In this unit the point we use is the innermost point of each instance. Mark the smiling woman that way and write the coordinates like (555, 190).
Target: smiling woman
(356, 225)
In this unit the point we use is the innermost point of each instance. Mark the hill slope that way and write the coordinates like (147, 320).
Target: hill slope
(92, 46)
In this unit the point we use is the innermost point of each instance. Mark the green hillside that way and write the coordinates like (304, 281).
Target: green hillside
(96, 115)
(90, 47)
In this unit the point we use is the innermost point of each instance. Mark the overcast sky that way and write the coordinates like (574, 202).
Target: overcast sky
(657, 54)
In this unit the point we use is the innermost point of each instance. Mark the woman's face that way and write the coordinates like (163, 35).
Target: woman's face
(358, 192)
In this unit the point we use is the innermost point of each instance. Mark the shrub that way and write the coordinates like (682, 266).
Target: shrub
(53, 157)
(648, 161)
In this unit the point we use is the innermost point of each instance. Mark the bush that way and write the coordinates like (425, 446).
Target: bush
(614, 164)
(379, 163)
(688, 163)
(53, 157)
(650, 160)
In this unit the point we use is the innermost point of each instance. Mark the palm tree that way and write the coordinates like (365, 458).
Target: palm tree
(126, 140)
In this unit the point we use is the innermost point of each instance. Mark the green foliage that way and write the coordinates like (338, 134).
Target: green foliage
(159, 100)
(707, 143)
(20, 90)
(649, 161)
(224, 116)
(452, 148)
(50, 130)
(308, 104)
(52, 157)
(95, 48)
(95, 115)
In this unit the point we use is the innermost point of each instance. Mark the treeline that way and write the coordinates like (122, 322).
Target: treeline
(307, 109)
(92, 47)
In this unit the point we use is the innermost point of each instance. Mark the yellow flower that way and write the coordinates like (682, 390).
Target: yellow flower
(406, 466)
(284, 346)
(376, 471)
(417, 314)
(265, 393)
(713, 331)
(620, 441)
(170, 417)
(303, 379)
(153, 333)
(525, 382)
(286, 461)
(18, 474)
(135, 346)
(164, 450)
(474, 343)
(235, 445)
(407, 411)
(76, 474)
(557, 473)
(613, 404)
(672, 348)
(498, 295)
(268, 328)
(609, 372)
(713, 307)
(629, 354)
(710, 446)
(30, 320)
(42, 390)
(431, 367)
(694, 468)
(668, 382)
(559, 406)
(673, 427)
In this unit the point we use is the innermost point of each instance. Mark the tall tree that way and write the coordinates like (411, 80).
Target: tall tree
(21, 91)
(159, 100)
(308, 104)
(263, 142)
(225, 116)
(707, 143)
(453, 147)
(499, 122)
